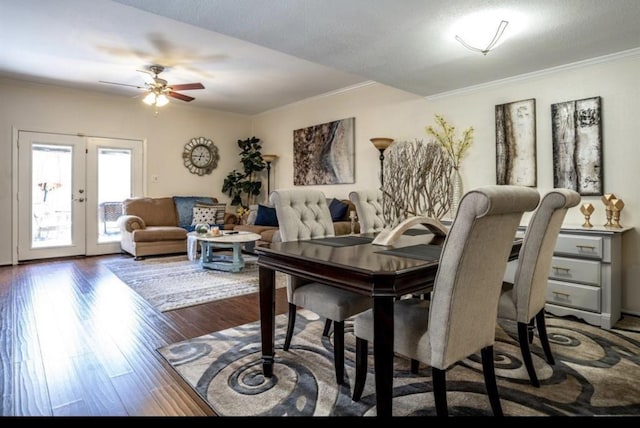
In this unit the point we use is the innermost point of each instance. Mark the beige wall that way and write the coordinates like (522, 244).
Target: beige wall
(33, 107)
(381, 111)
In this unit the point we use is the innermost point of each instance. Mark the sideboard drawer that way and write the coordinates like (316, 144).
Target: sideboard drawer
(582, 246)
(575, 270)
(574, 295)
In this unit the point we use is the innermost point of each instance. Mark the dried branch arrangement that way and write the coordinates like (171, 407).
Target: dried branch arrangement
(416, 181)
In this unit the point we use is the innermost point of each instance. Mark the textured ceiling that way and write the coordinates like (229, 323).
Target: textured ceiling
(256, 55)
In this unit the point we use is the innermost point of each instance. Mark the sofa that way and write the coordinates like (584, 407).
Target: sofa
(264, 225)
(156, 226)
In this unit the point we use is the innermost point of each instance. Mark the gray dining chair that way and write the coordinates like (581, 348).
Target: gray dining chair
(304, 214)
(523, 300)
(460, 318)
(368, 203)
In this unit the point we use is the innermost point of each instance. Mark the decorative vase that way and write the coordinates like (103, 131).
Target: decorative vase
(456, 191)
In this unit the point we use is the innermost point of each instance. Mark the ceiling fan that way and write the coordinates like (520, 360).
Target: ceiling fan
(158, 90)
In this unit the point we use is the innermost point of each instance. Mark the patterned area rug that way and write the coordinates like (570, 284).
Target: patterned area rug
(596, 373)
(175, 282)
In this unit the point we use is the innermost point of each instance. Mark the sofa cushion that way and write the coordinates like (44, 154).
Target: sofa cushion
(337, 209)
(184, 207)
(154, 211)
(159, 233)
(266, 216)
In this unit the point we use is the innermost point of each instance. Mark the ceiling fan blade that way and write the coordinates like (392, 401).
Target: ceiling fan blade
(187, 86)
(180, 96)
(122, 84)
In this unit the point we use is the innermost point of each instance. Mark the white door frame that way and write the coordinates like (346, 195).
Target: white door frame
(139, 188)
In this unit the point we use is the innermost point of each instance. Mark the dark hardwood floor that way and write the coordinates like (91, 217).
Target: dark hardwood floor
(76, 341)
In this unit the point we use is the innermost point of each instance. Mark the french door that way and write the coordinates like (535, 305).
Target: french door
(70, 190)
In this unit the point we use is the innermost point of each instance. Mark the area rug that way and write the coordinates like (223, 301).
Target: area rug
(596, 373)
(174, 282)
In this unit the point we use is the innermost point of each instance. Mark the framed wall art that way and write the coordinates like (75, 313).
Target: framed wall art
(577, 146)
(324, 154)
(516, 143)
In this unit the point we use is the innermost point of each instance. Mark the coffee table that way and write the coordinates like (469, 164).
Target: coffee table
(233, 240)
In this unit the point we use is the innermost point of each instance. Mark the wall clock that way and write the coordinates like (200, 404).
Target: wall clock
(200, 156)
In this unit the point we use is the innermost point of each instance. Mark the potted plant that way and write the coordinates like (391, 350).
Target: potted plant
(243, 186)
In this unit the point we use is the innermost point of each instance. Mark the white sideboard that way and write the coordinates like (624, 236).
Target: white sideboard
(585, 275)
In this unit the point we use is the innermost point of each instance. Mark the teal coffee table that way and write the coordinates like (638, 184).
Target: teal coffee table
(209, 259)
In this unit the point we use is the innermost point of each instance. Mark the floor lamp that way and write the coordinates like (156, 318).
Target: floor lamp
(381, 144)
(268, 159)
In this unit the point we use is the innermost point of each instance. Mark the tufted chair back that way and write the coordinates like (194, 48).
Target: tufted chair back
(302, 214)
(368, 203)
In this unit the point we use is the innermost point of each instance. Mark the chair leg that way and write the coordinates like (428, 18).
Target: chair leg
(440, 391)
(523, 338)
(338, 350)
(362, 348)
(327, 328)
(490, 380)
(544, 339)
(530, 328)
(415, 366)
(290, 325)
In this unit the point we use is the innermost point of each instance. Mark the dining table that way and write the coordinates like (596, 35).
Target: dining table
(352, 262)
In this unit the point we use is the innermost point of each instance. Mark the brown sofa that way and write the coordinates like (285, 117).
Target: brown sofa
(270, 234)
(151, 226)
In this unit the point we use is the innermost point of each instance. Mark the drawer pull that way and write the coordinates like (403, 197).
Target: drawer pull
(561, 294)
(559, 268)
(588, 247)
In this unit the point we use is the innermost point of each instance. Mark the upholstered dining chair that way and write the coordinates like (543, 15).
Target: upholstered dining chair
(368, 203)
(523, 300)
(304, 214)
(460, 318)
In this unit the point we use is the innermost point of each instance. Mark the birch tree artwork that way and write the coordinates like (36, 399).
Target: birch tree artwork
(416, 181)
(516, 143)
(577, 146)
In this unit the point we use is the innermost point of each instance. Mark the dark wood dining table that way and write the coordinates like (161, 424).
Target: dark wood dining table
(382, 272)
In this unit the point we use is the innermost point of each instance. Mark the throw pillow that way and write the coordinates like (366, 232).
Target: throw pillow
(220, 211)
(184, 207)
(338, 209)
(253, 213)
(266, 216)
(204, 215)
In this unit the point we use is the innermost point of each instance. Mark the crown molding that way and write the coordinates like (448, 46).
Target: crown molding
(535, 74)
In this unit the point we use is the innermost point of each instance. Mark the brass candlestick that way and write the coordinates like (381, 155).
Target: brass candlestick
(587, 210)
(616, 208)
(606, 200)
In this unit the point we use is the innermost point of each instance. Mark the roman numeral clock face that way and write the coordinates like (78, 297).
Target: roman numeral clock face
(200, 156)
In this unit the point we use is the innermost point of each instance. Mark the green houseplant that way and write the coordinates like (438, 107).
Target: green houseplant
(243, 186)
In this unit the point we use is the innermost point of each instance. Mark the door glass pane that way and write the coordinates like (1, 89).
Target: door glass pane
(114, 186)
(51, 195)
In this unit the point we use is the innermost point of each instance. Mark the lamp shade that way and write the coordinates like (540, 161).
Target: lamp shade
(381, 143)
(269, 158)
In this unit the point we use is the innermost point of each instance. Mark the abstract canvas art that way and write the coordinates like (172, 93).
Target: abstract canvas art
(516, 143)
(324, 154)
(577, 146)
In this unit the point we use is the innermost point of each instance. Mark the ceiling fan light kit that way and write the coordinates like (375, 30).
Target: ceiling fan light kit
(159, 91)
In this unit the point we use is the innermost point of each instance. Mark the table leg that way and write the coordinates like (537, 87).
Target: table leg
(267, 318)
(237, 255)
(383, 352)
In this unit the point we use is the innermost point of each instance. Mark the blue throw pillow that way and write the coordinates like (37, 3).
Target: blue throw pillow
(338, 209)
(266, 216)
(184, 208)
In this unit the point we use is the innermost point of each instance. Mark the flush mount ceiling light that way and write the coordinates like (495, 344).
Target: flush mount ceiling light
(496, 38)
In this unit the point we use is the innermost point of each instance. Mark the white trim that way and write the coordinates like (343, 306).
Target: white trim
(535, 74)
